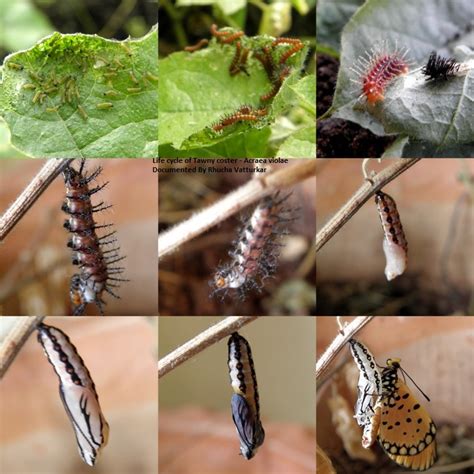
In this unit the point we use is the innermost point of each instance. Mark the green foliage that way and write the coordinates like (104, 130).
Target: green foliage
(436, 115)
(83, 96)
(21, 24)
(197, 91)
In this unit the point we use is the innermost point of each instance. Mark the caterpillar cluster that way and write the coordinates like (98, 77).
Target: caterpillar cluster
(394, 243)
(56, 91)
(378, 69)
(95, 256)
(256, 251)
(273, 59)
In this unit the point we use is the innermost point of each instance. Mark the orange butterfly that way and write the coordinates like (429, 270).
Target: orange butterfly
(405, 430)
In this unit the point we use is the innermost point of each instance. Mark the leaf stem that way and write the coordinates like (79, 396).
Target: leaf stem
(358, 199)
(233, 202)
(202, 341)
(31, 193)
(339, 342)
(15, 339)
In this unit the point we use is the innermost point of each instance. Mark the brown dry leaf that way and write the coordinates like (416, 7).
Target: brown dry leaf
(323, 463)
(347, 428)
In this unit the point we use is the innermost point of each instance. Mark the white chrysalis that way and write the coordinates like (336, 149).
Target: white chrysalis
(369, 391)
(77, 392)
(394, 243)
(245, 401)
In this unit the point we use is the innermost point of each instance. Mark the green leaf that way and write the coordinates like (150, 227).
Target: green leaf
(332, 16)
(305, 90)
(301, 144)
(21, 24)
(440, 114)
(197, 91)
(251, 144)
(83, 96)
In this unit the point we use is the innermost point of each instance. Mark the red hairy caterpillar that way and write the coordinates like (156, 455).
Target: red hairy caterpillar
(225, 36)
(277, 83)
(285, 40)
(378, 70)
(394, 243)
(256, 251)
(200, 44)
(96, 264)
(289, 52)
(245, 400)
(234, 65)
(266, 58)
(77, 391)
(239, 60)
(231, 38)
(244, 113)
(439, 68)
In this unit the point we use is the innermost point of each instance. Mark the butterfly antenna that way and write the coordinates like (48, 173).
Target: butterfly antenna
(415, 384)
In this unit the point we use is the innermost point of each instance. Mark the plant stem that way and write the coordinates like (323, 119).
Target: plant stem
(359, 198)
(31, 193)
(339, 342)
(15, 339)
(253, 190)
(202, 341)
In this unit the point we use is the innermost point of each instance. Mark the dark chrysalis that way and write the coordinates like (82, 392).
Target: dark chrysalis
(95, 256)
(245, 400)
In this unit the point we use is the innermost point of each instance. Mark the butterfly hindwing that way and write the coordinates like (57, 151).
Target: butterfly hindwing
(407, 432)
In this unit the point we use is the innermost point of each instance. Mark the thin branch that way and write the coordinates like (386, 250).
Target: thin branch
(31, 193)
(253, 190)
(15, 339)
(359, 198)
(339, 342)
(202, 341)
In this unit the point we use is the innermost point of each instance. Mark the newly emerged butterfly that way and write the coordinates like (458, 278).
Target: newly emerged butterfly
(77, 391)
(369, 390)
(406, 431)
(394, 243)
(245, 401)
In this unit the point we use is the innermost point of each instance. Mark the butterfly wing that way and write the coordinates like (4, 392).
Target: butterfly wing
(407, 432)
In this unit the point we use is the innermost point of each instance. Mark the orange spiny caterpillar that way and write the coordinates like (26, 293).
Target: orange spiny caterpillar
(289, 52)
(231, 38)
(226, 37)
(195, 47)
(277, 83)
(216, 33)
(266, 58)
(284, 40)
(234, 65)
(234, 118)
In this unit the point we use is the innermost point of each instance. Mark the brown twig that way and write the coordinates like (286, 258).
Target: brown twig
(253, 190)
(201, 341)
(339, 342)
(362, 195)
(15, 339)
(31, 193)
